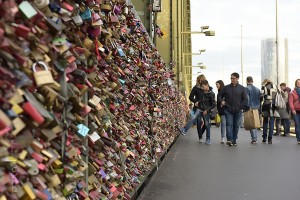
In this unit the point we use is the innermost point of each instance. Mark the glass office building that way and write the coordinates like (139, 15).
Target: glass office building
(269, 68)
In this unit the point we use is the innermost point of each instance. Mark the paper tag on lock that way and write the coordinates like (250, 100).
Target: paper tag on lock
(42, 77)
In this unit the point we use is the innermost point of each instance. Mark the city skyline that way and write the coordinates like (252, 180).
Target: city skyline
(254, 21)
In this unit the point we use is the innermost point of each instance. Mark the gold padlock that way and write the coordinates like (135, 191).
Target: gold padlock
(42, 77)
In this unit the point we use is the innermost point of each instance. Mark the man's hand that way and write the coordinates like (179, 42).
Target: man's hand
(204, 112)
(223, 103)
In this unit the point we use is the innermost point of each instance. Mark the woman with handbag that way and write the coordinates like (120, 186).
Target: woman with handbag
(269, 111)
(220, 85)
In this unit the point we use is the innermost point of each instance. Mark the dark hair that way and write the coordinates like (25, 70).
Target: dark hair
(296, 82)
(221, 83)
(204, 82)
(282, 84)
(235, 74)
(249, 79)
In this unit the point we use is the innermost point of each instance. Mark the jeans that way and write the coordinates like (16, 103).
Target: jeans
(206, 118)
(286, 126)
(233, 122)
(253, 133)
(297, 126)
(223, 125)
(268, 121)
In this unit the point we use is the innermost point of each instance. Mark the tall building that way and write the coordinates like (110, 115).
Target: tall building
(268, 60)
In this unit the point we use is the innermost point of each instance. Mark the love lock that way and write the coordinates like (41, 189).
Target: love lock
(33, 164)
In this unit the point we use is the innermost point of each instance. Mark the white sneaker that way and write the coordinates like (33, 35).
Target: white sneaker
(201, 140)
(222, 140)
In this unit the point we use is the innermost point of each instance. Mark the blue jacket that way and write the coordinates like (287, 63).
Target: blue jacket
(253, 96)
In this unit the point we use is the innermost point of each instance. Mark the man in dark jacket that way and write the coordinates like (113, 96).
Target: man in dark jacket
(234, 99)
(204, 105)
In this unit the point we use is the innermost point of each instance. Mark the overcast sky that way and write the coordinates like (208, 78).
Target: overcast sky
(258, 20)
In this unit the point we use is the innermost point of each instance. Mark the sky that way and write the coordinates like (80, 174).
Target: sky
(255, 20)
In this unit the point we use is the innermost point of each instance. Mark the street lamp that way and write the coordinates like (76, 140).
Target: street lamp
(203, 31)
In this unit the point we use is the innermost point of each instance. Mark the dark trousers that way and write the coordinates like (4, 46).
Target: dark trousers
(200, 129)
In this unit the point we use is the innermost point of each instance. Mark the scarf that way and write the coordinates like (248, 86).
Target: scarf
(298, 92)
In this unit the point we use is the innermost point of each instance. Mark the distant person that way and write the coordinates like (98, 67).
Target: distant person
(253, 102)
(195, 95)
(269, 111)
(234, 99)
(284, 113)
(204, 107)
(220, 85)
(294, 103)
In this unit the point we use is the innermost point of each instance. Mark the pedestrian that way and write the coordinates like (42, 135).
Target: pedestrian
(195, 95)
(234, 99)
(294, 103)
(254, 97)
(284, 113)
(220, 85)
(204, 107)
(269, 111)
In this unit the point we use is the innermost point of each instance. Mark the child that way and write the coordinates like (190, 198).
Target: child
(204, 107)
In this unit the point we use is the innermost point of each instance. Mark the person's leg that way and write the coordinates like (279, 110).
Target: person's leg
(277, 125)
(297, 126)
(229, 125)
(185, 129)
(253, 135)
(265, 128)
(271, 129)
(287, 123)
(223, 128)
(199, 127)
(237, 117)
(207, 124)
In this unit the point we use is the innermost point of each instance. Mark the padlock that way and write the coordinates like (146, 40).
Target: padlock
(42, 77)
(27, 9)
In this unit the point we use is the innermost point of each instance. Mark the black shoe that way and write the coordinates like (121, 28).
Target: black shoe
(234, 143)
(264, 140)
(270, 141)
(275, 134)
(253, 142)
(229, 143)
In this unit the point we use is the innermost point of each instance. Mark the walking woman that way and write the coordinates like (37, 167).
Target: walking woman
(220, 85)
(294, 103)
(194, 97)
(269, 111)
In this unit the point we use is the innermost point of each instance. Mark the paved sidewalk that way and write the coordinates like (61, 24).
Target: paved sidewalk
(194, 171)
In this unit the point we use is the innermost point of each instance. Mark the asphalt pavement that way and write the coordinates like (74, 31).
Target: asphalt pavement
(195, 171)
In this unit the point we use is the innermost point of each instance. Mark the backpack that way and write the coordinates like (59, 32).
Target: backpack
(279, 101)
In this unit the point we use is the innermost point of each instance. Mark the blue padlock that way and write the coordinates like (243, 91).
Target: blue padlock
(86, 15)
(82, 130)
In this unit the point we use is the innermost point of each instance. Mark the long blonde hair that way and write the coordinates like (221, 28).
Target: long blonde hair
(200, 78)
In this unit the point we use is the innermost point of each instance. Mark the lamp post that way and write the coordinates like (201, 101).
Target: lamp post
(204, 30)
(277, 59)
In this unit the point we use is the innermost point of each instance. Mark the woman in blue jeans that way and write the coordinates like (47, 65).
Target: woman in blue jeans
(294, 103)
(220, 85)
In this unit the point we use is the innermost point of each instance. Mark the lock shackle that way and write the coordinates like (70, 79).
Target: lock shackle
(39, 63)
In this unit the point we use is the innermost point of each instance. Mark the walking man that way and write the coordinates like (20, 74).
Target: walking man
(234, 99)
(253, 102)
